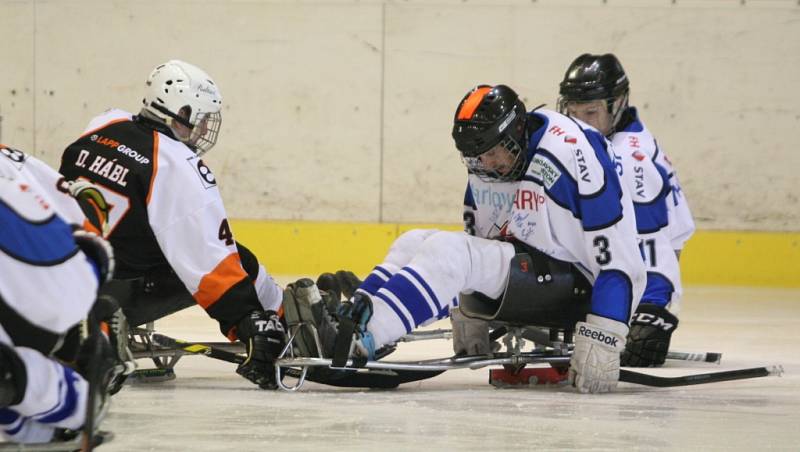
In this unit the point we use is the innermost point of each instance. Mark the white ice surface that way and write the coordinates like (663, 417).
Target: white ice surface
(210, 408)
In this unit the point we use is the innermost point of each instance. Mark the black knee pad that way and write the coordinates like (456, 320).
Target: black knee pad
(13, 377)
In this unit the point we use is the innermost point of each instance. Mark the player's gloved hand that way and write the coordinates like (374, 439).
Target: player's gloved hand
(594, 366)
(470, 336)
(263, 335)
(648, 339)
(98, 250)
(92, 203)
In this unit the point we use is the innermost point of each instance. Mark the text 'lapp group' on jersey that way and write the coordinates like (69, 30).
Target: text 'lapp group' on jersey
(521, 199)
(120, 147)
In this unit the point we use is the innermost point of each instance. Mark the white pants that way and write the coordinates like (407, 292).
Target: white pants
(55, 396)
(423, 273)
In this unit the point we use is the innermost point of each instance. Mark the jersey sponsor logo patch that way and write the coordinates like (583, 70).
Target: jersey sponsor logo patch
(17, 157)
(120, 147)
(545, 170)
(638, 155)
(528, 200)
(206, 176)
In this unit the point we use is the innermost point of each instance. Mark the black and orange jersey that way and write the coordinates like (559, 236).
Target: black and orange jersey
(166, 213)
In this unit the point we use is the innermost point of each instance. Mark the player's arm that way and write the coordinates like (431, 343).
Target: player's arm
(192, 230)
(681, 222)
(652, 324)
(609, 238)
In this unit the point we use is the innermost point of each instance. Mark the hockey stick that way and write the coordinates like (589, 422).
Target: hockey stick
(196, 348)
(94, 376)
(540, 337)
(707, 357)
(384, 379)
(629, 376)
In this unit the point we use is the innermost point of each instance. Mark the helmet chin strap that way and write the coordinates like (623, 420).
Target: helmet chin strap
(184, 122)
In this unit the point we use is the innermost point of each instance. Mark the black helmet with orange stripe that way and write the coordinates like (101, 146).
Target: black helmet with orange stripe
(491, 120)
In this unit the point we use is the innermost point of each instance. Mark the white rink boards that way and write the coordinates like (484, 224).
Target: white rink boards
(210, 408)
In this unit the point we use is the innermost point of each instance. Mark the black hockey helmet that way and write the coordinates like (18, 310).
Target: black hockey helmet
(595, 77)
(488, 116)
(592, 77)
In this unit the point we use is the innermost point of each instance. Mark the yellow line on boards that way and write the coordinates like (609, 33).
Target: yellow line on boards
(710, 257)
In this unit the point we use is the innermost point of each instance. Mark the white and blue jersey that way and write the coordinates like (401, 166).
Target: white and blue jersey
(45, 180)
(570, 205)
(635, 136)
(663, 219)
(48, 286)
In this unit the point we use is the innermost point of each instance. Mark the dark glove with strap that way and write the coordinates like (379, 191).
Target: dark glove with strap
(92, 203)
(649, 336)
(263, 335)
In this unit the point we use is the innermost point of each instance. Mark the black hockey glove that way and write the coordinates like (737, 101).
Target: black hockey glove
(649, 335)
(263, 335)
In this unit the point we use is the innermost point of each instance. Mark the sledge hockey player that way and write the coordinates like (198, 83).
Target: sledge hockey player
(595, 89)
(79, 203)
(50, 283)
(168, 225)
(549, 226)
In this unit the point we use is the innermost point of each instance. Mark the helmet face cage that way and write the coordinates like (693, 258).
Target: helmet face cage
(204, 133)
(475, 164)
(187, 100)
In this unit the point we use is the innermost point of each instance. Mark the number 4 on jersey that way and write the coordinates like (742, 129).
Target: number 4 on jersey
(225, 233)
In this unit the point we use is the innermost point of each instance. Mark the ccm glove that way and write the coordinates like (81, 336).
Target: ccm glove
(594, 366)
(263, 335)
(648, 339)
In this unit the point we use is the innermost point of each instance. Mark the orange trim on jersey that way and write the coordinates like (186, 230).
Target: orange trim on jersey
(474, 99)
(227, 273)
(88, 226)
(113, 121)
(155, 168)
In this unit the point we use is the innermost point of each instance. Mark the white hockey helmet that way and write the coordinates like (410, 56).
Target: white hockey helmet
(187, 100)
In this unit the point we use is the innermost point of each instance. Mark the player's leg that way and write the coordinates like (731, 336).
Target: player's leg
(403, 249)
(47, 395)
(426, 288)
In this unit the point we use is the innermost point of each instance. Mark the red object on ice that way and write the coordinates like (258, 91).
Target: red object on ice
(528, 376)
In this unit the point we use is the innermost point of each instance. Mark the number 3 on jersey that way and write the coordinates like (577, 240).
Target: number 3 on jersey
(603, 253)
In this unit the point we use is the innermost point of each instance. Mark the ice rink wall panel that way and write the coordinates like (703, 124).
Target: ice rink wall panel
(341, 111)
